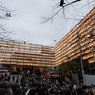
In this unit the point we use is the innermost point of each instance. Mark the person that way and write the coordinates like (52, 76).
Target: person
(31, 90)
(74, 89)
(25, 89)
(53, 90)
(3, 91)
(90, 92)
(42, 90)
(19, 90)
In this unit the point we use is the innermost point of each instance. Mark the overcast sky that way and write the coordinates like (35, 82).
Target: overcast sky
(27, 16)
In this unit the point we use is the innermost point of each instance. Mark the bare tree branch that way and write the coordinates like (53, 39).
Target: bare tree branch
(4, 14)
(87, 4)
(72, 6)
(60, 10)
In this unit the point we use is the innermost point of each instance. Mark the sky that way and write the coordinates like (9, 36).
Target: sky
(27, 21)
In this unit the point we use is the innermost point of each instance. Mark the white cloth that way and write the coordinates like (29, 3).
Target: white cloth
(27, 92)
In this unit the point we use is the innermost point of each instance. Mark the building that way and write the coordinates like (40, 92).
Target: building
(80, 41)
(25, 54)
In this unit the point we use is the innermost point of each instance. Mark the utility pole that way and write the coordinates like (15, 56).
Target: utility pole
(81, 61)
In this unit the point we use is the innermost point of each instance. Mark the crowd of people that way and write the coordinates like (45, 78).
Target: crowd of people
(33, 83)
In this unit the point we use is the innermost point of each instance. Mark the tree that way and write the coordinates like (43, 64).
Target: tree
(63, 4)
(68, 68)
(5, 13)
